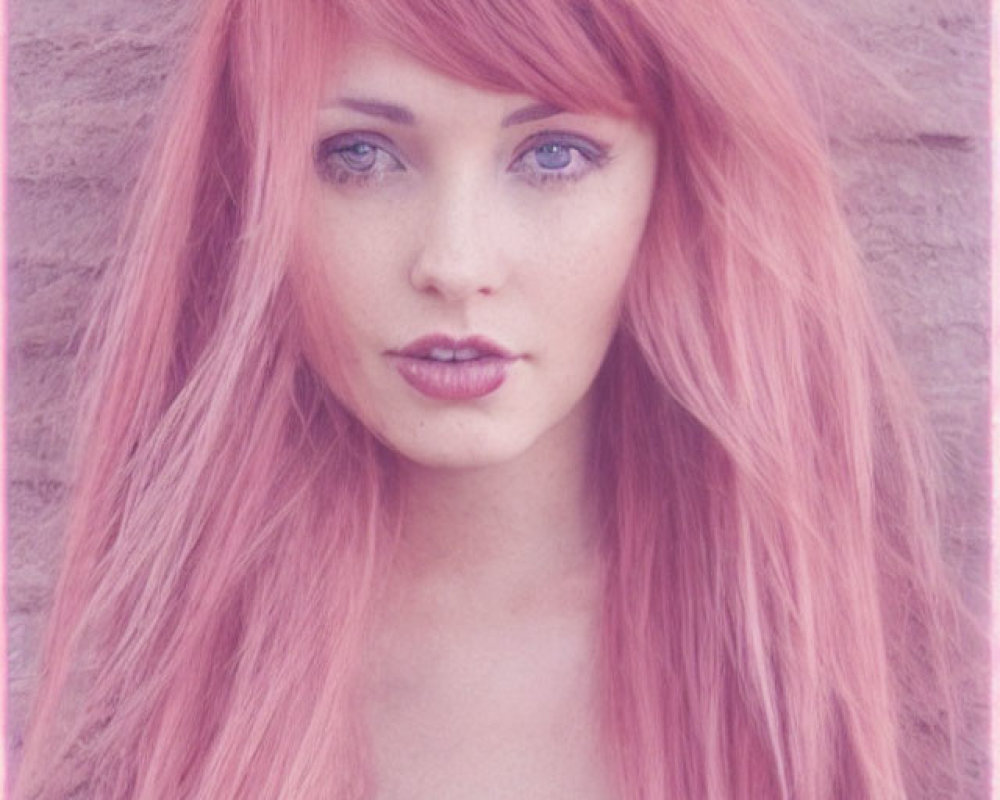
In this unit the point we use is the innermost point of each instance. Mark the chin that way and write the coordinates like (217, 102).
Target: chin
(469, 451)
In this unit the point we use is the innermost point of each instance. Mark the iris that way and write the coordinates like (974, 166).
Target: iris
(553, 156)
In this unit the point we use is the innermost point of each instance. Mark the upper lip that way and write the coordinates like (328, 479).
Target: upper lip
(446, 348)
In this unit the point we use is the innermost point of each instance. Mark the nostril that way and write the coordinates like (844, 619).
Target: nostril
(454, 278)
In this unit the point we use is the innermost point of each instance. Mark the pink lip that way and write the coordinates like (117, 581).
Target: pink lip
(465, 378)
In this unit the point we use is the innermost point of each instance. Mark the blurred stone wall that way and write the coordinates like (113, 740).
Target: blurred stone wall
(909, 128)
(84, 80)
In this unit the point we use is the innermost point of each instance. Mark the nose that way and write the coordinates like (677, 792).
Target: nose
(459, 256)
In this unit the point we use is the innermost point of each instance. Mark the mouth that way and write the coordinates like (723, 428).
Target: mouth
(453, 370)
(444, 349)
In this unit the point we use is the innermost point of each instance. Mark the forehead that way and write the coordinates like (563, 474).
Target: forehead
(554, 52)
(377, 78)
(369, 67)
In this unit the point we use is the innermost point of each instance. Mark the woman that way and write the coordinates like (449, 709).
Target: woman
(487, 405)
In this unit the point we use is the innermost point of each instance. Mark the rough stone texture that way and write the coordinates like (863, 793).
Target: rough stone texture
(83, 77)
(909, 128)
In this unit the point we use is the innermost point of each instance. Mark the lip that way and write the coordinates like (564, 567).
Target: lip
(477, 367)
(424, 346)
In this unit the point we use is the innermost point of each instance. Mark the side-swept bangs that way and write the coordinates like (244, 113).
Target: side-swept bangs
(575, 54)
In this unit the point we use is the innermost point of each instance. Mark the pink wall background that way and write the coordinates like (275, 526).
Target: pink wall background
(85, 77)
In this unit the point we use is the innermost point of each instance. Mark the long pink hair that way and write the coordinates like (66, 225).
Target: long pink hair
(776, 623)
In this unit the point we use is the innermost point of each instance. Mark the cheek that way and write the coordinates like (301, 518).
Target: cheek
(356, 267)
(586, 263)
(362, 256)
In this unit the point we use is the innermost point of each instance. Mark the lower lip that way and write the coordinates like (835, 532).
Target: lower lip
(453, 380)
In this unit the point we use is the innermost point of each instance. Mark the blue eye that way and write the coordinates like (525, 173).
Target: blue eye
(550, 156)
(553, 156)
(359, 157)
(355, 158)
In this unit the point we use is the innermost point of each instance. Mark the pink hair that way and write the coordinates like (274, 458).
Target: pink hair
(776, 623)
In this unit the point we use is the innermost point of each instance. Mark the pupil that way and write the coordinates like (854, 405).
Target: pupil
(553, 156)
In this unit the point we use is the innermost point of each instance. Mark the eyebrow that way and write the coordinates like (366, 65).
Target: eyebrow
(403, 116)
(388, 111)
(530, 113)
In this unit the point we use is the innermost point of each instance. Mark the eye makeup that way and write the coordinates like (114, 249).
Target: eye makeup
(357, 158)
(360, 158)
(550, 156)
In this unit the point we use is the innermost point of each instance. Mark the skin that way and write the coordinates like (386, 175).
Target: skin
(442, 208)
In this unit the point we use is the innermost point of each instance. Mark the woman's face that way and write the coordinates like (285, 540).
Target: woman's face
(475, 246)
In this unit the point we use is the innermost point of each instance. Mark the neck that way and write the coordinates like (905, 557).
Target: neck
(530, 520)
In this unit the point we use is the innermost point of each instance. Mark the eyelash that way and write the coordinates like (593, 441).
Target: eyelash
(332, 153)
(583, 153)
